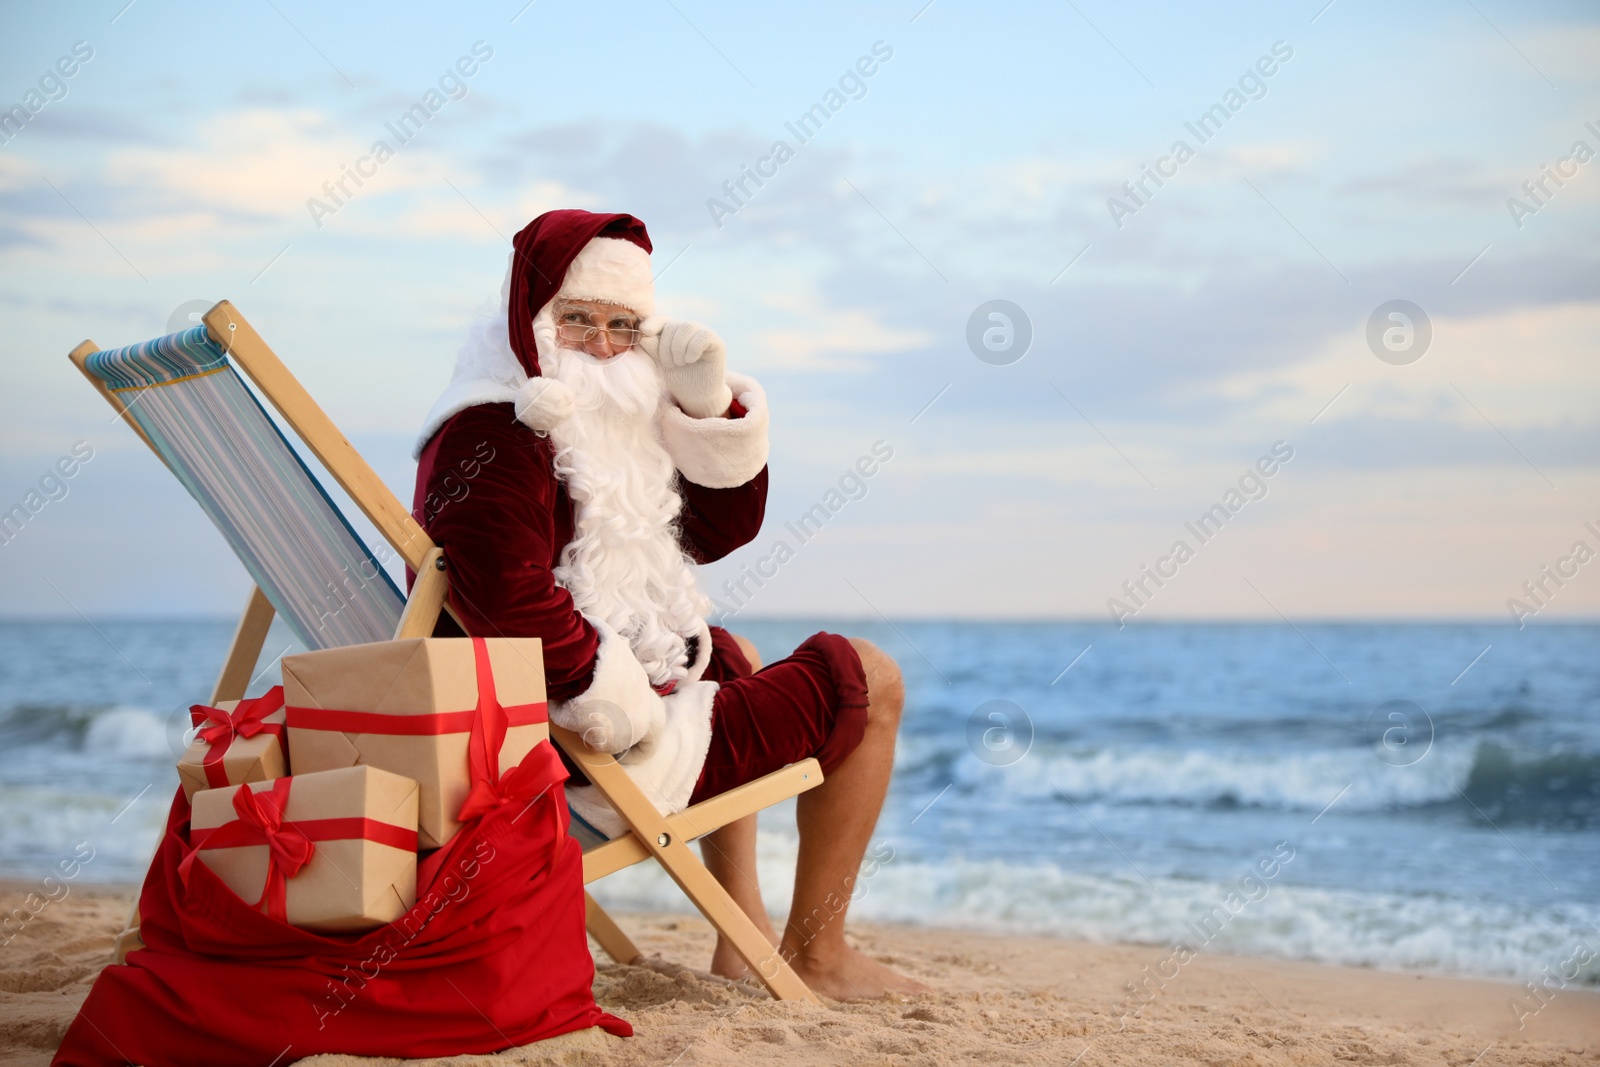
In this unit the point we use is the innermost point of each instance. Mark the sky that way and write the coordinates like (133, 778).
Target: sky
(1162, 342)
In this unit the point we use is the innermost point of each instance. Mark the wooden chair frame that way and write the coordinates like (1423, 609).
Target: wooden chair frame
(664, 838)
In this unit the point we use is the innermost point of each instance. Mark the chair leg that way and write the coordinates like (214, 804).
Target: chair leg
(765, 961)
(604, 929)
(243, 655)
(684, 867)
(245, 651)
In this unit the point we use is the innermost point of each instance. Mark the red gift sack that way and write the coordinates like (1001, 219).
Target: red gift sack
(493, 955)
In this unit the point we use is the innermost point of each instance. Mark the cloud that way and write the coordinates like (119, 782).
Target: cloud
(822, 338)
(1432, 178)
(12, 237)
(662, 174)
(1529, 366)
(96, 126)
(244, 170)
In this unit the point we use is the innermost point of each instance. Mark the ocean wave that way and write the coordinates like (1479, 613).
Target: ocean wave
(133, 733)
(1285, 780)
(43, 823)
(1516, 783)
(111, 730)
(1429, 933)
(31, 724)
(1542, 787)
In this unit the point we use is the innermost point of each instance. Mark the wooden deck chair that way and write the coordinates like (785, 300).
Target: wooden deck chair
(182, 395)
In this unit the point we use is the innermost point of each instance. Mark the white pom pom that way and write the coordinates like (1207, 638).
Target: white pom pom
(544, 403)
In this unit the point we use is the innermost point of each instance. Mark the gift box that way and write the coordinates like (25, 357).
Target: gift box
(451, 713)
(333, 851)
(238, 741)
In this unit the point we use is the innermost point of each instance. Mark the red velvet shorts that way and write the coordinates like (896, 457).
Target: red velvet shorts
(813, 702)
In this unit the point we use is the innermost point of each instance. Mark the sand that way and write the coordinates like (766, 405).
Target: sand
(998, 1000)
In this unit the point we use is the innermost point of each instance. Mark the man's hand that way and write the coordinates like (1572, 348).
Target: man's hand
(693, 362)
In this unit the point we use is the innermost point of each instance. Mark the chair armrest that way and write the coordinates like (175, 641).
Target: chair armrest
(706, 816)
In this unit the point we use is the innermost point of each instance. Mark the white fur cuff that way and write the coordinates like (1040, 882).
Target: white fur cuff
(619, 709)
(667, 769)
(720, 453)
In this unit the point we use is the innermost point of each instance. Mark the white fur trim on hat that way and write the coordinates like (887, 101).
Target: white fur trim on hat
(614, 270)
(720, 453)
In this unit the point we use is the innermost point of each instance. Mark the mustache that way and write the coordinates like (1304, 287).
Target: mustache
(627, 384)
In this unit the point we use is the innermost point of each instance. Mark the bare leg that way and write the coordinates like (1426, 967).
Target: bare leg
(749, 651)
(730, 856)
(836, 821)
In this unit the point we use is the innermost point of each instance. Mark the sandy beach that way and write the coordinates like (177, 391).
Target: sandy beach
(997, 999)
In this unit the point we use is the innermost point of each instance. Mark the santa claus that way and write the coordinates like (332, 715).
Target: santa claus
(587, 454)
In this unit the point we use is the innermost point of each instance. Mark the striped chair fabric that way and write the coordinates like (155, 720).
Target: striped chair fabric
(226, 450)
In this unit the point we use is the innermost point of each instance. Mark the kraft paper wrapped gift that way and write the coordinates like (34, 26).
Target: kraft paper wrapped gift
(239, 741)
(409, 707)
(331, 852)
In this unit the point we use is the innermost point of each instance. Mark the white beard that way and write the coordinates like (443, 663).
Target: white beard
(624, 563)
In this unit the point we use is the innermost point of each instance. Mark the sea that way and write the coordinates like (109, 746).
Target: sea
(1419, 797)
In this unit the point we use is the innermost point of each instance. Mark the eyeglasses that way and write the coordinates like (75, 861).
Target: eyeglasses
(578, 333)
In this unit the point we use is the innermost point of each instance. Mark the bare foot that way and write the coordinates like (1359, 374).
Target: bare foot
(726, 961)
(848, 974)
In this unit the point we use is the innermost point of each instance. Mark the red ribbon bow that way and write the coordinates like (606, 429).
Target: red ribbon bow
(528, 780)
(246, 720)
(261, 822)
(288, 850)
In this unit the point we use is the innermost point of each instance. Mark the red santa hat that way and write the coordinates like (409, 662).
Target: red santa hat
(580, 255)
(576, 254)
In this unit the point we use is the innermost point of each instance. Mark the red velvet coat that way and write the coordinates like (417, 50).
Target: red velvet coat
(487, 493)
